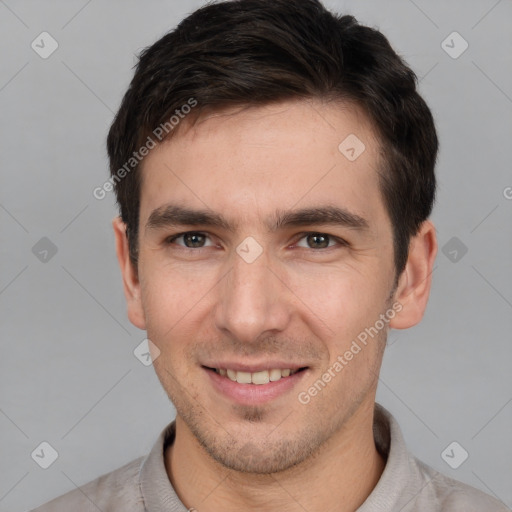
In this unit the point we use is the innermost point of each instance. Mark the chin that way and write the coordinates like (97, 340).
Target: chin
(264, 454)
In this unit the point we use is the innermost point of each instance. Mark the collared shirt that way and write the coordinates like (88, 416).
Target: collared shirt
(406, 485)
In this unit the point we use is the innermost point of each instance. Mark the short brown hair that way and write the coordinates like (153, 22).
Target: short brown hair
(255, 52)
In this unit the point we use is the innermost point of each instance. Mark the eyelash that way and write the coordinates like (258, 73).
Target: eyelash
(341, 243)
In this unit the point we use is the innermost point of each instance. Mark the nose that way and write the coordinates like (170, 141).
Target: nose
(253, 300)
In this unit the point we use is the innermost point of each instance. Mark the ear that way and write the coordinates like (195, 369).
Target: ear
(414, 284)
(131, 282)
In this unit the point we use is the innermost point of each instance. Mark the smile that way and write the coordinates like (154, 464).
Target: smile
(247, 384)
(258, 378)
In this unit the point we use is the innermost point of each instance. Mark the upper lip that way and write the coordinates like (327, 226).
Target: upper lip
(254, 367)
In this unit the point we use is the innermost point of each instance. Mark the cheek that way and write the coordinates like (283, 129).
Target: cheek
(171, 296)
(174, 310)
(341, 302)
(348, 308)
(173, 307)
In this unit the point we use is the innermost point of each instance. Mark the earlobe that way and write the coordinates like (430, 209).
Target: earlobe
(131, 284)
(415, 281)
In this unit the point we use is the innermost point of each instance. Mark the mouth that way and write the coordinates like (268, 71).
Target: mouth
(256, 387)
(258, 378)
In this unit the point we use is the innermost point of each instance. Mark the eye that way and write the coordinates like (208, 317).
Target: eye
(190, 240)
(319, 241)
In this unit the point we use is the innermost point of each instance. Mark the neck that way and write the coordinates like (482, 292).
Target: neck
(348, 467)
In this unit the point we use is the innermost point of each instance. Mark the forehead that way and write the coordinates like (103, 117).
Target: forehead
(250, 161)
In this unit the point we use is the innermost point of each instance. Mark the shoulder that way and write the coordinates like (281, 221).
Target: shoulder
(115, 491)
(409, 485)
(450, 495)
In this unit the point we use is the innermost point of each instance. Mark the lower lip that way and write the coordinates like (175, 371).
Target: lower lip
(254, 394)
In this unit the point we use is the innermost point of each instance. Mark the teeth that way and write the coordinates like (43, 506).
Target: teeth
(275, 375)
(243, 377)
(262, 377)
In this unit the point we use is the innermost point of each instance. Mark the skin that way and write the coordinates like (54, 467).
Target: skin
(299, 301)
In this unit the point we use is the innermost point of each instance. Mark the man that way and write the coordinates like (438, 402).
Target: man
(274, 167)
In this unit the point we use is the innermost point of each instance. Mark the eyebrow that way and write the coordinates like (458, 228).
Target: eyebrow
(330, 215)
(174, 215)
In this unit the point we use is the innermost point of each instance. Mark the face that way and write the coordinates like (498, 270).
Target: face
(264, 251)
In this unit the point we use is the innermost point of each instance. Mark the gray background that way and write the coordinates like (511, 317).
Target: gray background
(68, 375)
